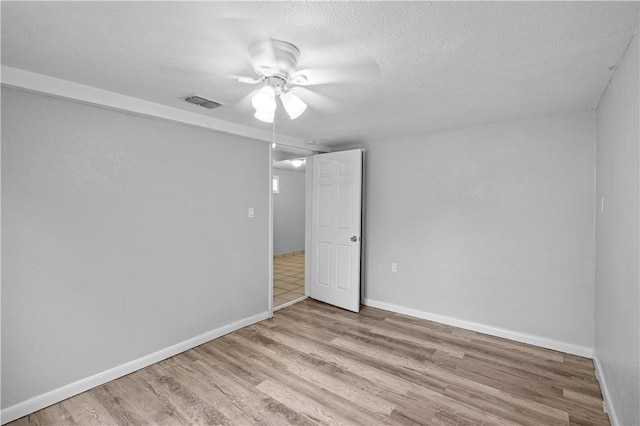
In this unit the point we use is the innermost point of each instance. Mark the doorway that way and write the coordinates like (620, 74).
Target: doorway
(325, 190)
(289, 203)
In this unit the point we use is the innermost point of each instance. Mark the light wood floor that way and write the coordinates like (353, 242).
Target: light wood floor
(315, 364)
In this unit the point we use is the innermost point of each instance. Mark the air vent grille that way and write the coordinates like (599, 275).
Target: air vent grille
(203, 102)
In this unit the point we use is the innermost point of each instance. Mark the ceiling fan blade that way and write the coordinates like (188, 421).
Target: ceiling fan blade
(316, 100)
(299, 78)
(334, 62)
(247, 80)
(228, 41)
(244, 103)
(363, 72)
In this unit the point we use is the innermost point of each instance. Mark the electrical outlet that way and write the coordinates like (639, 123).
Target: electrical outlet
(394, 267)
(251, 212)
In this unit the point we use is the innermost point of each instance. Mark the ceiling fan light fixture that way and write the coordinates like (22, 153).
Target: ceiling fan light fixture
(267, 117)
(265, 100)
(292, 104)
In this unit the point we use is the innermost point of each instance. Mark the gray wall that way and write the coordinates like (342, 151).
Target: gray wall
(121, 236)
(492, 224)
(288, 212)
(617, 329)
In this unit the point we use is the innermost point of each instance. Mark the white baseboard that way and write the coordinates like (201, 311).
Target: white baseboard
(606, 396)
(543, 342)
(41, 401)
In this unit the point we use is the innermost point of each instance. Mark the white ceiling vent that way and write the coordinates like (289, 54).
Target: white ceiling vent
(203, 102)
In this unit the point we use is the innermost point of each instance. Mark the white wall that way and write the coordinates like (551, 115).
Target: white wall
(121, 236)
(491, 225)
(288, 212)
(617, 316)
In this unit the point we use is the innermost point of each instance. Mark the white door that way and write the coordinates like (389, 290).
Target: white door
(335, 230)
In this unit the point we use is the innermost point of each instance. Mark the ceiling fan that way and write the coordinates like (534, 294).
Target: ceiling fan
(275, 62)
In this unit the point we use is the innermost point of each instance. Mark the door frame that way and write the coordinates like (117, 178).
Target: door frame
(270, 262)
(307, 211)
(308, 208)
(308, 203)
(309, 222)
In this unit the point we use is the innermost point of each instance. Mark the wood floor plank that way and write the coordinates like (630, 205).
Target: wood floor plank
(301, 403)
(509, 408)
(264, 409)
(383, 365)
(181, 396)
(418, 341)
(359, 390)
(315, 364)
(53, 415)
(86, 411)
(275, 369)
(114, 399)
(343, 360)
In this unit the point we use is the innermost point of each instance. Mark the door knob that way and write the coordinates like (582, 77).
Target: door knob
(354, 238)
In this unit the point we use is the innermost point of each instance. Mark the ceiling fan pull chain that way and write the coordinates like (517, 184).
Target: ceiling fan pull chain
(273, 135)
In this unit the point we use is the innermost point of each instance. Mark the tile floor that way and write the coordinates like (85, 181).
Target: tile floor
(288, 278)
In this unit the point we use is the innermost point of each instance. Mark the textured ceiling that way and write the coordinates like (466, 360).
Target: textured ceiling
(401, 68)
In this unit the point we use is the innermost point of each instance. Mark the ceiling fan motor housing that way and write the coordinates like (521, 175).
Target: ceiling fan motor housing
(274, 58)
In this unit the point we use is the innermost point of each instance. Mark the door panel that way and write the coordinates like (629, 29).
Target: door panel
(324, 206)
(336, 228)
(344, 268)
(344, 206)
(323, 263)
